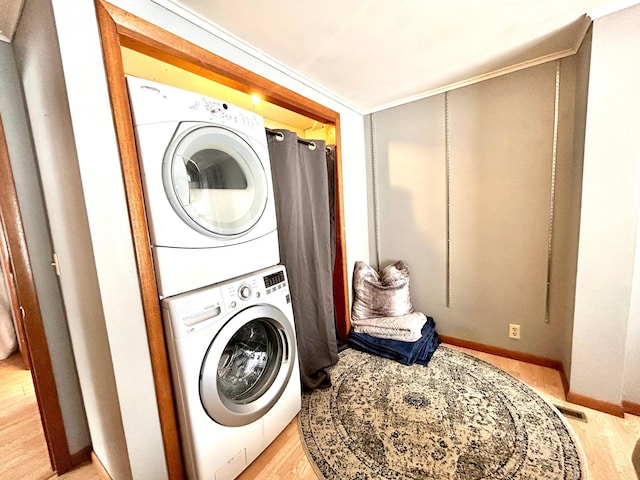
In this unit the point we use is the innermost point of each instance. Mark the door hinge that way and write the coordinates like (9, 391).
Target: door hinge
(55, 264)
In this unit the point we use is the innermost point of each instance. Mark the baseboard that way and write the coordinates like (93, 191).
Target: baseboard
(102, 472)
(503, 352)
(564, 379)
(600, 405)
(82, 456)
(631, 407)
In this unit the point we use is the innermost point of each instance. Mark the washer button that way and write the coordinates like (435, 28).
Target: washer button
(244, 292)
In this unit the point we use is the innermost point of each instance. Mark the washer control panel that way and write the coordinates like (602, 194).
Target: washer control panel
(237, 294)
(200, 308)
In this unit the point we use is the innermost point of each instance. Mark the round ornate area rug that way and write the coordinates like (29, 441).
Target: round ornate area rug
(457, 418)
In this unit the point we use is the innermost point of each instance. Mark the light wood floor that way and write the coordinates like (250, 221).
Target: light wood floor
(23, 450)
(607, 441)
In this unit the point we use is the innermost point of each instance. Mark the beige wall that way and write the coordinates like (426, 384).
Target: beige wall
(500, 155)
(568, 228)
(409, 160)
(38, 59)
(35, 222)
(594, 297)
(606, 281)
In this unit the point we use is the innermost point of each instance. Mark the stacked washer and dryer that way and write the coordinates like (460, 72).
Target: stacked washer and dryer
(225, 300)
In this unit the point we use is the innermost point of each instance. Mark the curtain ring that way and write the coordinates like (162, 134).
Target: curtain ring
(279, 136)
(312, 146)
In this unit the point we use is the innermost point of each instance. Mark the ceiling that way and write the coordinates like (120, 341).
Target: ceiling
(372, 54)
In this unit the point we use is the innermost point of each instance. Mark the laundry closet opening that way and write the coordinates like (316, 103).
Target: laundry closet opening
(145, 66)
(275, 117)
(169, 59)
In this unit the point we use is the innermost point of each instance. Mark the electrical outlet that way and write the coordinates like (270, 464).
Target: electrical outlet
(514, 331)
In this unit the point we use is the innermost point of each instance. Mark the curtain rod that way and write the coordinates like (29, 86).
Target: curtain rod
(280, 137)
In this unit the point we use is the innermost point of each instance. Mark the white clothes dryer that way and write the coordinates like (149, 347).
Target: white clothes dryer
(207, 185)
(234, 363)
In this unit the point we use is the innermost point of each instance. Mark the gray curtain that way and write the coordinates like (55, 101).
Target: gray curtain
(300, 183)
(331, 166)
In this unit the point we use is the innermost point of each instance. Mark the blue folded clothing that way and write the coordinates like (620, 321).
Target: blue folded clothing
(406, 353)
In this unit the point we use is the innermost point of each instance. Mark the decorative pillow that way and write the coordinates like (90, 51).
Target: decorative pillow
(380, 295)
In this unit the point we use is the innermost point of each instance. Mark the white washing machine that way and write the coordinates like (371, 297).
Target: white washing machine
(234, 363)
(207, 185)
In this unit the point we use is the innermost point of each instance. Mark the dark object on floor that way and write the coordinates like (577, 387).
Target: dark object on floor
(571, 413)
(406, 353)
(635, 458)
(342, 344)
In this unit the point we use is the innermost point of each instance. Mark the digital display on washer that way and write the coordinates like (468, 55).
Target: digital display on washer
(274, 279)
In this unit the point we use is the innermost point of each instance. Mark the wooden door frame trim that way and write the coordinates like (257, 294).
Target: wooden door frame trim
(38, 349)
(12, 291)
(119, 28)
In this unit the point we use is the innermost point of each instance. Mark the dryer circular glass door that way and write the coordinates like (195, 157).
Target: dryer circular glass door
(215, 181)
(247, 366)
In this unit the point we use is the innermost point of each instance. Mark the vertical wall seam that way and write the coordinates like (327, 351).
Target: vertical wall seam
(554, 158)
(447, 139)
(374, 181)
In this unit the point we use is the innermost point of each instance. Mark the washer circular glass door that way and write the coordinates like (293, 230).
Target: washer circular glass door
(215, 181)
(247, 366)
